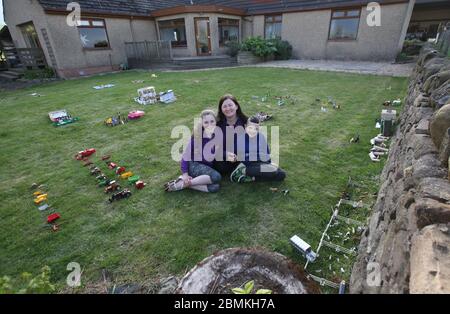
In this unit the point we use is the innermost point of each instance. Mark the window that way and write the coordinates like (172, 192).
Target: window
(173, 31)
(93, 34)
(344, 24)
(30, 35)
(272, 28)
(228, 30)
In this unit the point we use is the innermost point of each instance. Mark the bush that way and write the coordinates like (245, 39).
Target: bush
(259, 46)
(39, 74)
(233, 48)
(39, 284)
(283, 49)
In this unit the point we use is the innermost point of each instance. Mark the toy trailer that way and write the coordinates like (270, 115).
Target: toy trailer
(304, 248)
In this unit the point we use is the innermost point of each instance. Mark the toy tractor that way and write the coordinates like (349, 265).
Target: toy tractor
(112, 187)
(96, 171)
(85, 153)
(120, 195)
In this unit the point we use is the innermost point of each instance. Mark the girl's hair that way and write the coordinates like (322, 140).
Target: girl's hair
(198, 130)
(239, 113)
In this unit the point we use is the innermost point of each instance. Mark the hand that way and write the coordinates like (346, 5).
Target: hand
(187, 179)
(231, 157)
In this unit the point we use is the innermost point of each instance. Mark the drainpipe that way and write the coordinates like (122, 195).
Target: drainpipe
(406, 21)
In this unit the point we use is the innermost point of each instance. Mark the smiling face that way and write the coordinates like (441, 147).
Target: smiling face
(209, 123)
(252, 129)
(229, 108)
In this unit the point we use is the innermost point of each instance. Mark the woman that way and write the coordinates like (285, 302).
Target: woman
(197, 159)
(231, 121)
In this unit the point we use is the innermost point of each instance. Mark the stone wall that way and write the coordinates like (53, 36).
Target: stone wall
(406, 247)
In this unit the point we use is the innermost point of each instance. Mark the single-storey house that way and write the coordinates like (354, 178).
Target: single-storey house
(317, 29)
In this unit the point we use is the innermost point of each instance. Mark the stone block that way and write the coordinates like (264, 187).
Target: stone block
(429, 212)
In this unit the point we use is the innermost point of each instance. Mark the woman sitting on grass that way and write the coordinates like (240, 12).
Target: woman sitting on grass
(196, 162)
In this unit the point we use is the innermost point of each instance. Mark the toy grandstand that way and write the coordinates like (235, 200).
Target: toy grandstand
(61, 117)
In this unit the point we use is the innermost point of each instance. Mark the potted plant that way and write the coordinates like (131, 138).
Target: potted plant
(254, 50)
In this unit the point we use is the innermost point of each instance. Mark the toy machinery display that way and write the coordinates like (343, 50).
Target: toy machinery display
(61, 117)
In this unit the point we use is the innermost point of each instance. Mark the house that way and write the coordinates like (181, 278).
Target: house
(428, 15)
(317, 29)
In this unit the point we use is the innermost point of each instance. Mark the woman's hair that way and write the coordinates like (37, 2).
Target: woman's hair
(239, 113)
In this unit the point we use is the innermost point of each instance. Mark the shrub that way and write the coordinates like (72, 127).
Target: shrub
(39, 284)
(283, 49)
(259, 46)
(39, 74)
(233, 48)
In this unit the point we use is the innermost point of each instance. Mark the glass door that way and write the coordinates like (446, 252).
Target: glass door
(203, 36)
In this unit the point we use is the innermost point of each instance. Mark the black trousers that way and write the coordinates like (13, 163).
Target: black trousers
(225, 167)
(263, 171)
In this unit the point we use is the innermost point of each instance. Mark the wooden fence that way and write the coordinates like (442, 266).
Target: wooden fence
(32, 58)
(146, 53)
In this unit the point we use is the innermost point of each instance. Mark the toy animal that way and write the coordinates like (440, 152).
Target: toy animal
(120, 195)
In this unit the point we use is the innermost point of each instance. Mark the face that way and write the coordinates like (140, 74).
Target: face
(209, 123)
(252, 129)
(229, 108)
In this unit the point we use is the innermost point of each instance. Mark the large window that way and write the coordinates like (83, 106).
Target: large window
(344, 24)
(30, 36)
(173, 31)
(272, 28)
(228, 30)
(93, 34)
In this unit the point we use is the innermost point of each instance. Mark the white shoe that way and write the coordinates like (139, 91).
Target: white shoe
(379, 149)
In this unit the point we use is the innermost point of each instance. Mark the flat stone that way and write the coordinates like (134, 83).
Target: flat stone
(444, 151)
(423, 145)
(439, 124)
(430, 261)
(423, 127)
(431, 212)
(435, 188)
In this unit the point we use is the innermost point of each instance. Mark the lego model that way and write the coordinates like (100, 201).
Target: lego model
(120, 195)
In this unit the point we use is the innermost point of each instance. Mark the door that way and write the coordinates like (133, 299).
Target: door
(203, 36)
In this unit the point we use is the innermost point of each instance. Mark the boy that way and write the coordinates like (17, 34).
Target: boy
(255, 157)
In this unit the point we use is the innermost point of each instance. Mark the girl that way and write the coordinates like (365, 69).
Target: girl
(196, 163)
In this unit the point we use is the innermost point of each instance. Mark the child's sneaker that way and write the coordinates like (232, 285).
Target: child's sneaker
(237, 173)
(245, 179)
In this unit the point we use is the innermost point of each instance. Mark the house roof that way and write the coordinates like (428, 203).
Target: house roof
(250, 7)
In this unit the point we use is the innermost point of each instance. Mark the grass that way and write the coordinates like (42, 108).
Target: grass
(154, 234)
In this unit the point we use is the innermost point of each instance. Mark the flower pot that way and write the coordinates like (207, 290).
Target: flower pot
(247, 57)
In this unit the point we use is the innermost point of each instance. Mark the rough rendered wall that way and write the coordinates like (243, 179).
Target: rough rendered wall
(408, 237)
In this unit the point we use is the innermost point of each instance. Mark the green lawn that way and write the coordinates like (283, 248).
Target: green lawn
(155, 234)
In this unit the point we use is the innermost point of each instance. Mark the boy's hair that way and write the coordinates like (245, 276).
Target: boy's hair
(254, 119)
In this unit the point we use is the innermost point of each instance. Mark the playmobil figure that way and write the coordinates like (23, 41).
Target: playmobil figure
(85, 153)
(120, 195)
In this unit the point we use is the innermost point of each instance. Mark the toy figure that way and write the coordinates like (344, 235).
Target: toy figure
(120, 195)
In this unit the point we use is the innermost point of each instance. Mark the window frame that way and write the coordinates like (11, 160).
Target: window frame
(219, 28)
(345, 17)
(174, 25)
(90, 26)
(273, 16)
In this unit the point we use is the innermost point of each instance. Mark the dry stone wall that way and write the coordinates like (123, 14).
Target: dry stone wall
(406, 247)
